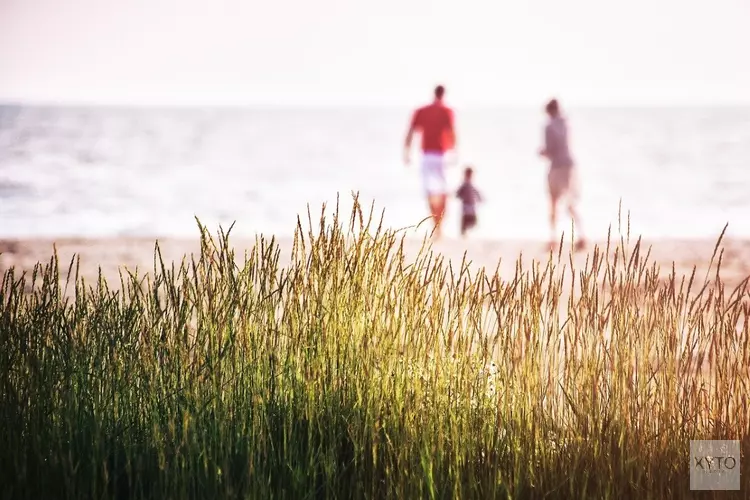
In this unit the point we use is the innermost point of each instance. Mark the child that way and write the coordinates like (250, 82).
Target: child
(469, 197)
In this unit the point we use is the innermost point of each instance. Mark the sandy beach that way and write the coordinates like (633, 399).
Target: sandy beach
(112, 254)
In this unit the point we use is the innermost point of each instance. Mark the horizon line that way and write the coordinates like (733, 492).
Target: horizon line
(62, 103)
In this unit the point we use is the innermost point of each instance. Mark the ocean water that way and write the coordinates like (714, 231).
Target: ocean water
(149, 172)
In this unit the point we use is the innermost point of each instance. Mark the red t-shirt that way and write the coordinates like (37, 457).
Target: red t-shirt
(435, 122)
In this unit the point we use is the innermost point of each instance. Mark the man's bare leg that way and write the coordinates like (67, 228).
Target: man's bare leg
(437, 209)
(441, 213)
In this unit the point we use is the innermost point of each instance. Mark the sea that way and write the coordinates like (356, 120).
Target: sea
(154, 172)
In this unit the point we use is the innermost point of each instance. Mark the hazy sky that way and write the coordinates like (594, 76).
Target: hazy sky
(383, 51)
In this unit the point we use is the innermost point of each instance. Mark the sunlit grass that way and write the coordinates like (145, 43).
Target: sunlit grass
(356, 371)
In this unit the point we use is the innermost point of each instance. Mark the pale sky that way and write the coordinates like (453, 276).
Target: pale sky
(374, 52)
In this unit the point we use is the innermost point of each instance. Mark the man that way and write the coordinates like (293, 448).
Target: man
(435, 123)
(562, 177)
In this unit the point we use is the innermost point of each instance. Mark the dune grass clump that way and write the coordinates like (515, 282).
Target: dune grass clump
(358, 371)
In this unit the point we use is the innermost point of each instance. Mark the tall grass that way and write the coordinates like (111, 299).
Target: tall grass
(356, 372)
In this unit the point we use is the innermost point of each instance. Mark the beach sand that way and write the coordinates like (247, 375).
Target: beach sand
(114, 253)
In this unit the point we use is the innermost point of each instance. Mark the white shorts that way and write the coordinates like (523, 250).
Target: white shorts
(433, 174)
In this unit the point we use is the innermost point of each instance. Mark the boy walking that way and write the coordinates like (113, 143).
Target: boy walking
(469, 197)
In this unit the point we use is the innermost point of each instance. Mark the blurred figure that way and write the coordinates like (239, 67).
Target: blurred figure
(435, 123)
(562, 178)
(469, 197)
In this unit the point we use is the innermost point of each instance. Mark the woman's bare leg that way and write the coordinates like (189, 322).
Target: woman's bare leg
(553, 221)
(573, 211)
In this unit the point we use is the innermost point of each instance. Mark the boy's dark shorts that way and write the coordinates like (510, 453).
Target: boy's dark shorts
(468, 221)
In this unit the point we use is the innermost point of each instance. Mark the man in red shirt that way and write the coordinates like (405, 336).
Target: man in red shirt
(435, 123)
